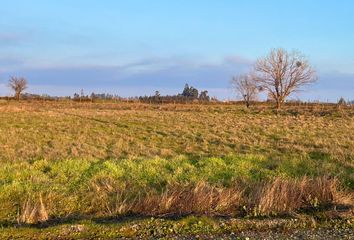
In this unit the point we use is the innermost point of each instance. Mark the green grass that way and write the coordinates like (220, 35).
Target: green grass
(91, 160)
(69, 186)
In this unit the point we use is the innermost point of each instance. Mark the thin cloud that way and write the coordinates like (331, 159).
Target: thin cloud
(13, 62)
(10, 38)
(159, 72)
(238, 60)
(148, 74)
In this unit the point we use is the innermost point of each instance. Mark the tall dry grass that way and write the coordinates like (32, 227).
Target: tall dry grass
(33, 211)
(104, 198)
(286, 196)
(278, 196)
(199, 199)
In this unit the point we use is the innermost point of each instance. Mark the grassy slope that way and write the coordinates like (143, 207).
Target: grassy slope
(61, 150)
(304, 143)
(32, 131)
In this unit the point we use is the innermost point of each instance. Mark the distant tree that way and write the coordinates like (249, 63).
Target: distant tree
(190, 92)
(194, 92)
(203, 96)
(342, 101)
(18, 85)
(246, 86)
(157, 97)
(281, 73)
(186, 91)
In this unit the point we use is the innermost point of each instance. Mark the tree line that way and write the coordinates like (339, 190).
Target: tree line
(189, 94)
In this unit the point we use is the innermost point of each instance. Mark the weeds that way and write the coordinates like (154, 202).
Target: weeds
(33, 212)
(61, 160)
(157, 187)
(53, 131)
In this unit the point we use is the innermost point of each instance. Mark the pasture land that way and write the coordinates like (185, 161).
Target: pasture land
(66, 161)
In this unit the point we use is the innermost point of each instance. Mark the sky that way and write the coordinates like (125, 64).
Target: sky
(136, 47)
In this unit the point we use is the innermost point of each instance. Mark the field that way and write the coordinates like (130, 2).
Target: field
(67, 165)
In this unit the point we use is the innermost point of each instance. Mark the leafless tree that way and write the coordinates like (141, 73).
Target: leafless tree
(281, 73)
(246, 86)
(18, 84)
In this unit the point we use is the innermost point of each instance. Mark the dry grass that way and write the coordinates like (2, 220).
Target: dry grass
(33, 212)
(201, 199)
(55, 131)
(284, 195)
(171, 160)
(278, 196)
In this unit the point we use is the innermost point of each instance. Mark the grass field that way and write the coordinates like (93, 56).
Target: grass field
(63, 160)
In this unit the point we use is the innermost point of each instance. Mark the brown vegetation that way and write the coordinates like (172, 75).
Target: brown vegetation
(67, 159)
(278, 196)
(33, 212)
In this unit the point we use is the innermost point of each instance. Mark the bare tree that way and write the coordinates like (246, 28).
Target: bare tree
(281, 73)
(18, 84)
(246, 86)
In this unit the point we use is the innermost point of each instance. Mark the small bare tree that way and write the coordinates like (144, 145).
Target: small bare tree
(246, 86)
(281, 73)
(18, 84)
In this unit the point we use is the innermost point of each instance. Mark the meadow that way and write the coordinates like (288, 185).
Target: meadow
(64, 160)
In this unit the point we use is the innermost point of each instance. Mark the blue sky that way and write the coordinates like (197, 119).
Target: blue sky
(136, 47)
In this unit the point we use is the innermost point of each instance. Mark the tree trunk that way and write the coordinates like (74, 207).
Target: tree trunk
(17, 96)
